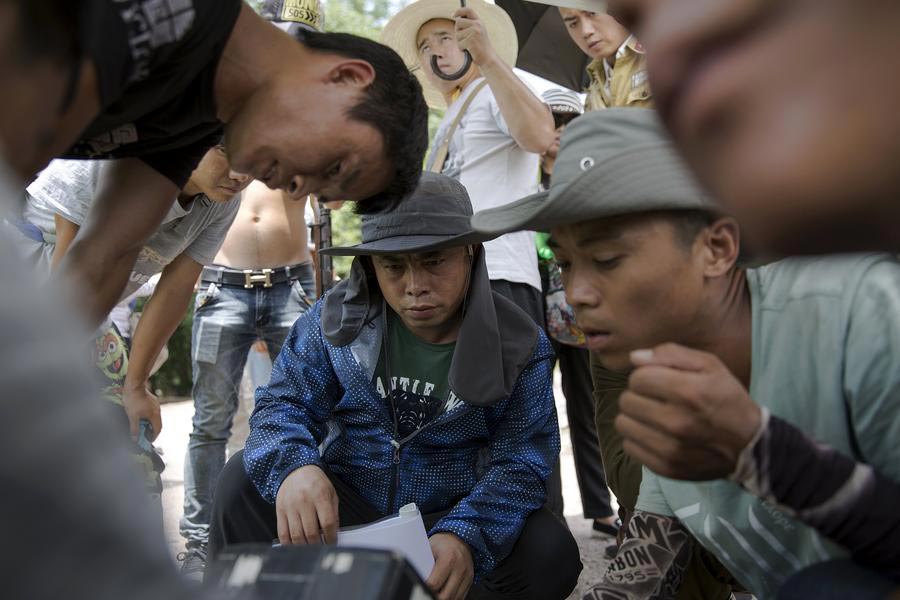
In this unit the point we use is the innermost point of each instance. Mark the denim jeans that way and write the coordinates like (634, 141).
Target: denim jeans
(227, 321)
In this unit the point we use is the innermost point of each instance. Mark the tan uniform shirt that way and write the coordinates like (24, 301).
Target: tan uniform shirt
(625, 84)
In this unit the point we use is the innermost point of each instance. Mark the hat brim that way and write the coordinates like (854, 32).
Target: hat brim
(598, 6)
(400, 34)
(644, 179)
(409, 244)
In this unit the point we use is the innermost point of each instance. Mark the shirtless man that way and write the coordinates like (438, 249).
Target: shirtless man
(260, 282)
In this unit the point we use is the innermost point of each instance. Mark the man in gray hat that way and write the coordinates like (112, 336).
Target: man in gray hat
(650, 267)
(419, 384)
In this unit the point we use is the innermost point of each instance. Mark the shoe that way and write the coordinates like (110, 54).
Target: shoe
(193, 563)
(601, 529)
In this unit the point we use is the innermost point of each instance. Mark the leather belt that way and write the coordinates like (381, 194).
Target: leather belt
(250, 278)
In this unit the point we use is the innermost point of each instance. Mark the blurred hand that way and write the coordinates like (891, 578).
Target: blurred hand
(140, 403)
(306, 508)
(472, 36)
(453, 571)
(684, 415)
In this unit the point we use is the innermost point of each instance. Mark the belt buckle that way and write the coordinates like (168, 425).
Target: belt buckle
(251, 279)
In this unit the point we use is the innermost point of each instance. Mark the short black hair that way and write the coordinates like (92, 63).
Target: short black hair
(394, 105)
(689, 223)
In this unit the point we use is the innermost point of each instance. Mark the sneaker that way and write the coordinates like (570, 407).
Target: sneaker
(193, 563)
(602, 530)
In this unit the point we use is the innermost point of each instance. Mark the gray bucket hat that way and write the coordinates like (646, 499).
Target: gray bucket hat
(436, 215)
(611, 162)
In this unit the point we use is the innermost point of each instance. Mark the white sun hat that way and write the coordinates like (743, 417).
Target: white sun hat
(400, 34)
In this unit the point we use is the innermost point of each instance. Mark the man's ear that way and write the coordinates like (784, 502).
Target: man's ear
(354, 72)
(723, 246)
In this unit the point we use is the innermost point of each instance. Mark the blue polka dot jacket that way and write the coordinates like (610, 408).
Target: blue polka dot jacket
(486, 465)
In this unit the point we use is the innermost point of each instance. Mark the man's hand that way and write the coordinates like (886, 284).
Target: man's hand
(139, 404)
(453, 571)
(684, 415)
(472, 36)
(306, 508)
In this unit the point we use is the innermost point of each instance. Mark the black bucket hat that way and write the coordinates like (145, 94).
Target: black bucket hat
(496, 339)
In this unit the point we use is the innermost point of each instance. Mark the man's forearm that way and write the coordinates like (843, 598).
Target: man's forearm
(529, 120)
(650, 562)
(162, 315)
(846, 501)
(98, 283)
(131, 201)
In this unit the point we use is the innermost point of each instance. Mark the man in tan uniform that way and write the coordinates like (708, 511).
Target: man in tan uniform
(619, 68)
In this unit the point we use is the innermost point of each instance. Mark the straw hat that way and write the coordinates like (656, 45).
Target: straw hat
(400, 34)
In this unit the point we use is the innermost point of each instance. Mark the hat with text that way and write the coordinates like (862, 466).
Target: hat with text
(611, 162)
(289, 15)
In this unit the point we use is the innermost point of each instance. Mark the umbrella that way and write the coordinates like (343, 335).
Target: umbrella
(545, 47)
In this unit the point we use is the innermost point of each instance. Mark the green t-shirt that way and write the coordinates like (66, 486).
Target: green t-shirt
(419, 391)
(826, 358)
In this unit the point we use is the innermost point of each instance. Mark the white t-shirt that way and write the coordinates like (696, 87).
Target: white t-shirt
(68, 187)
(495, 171)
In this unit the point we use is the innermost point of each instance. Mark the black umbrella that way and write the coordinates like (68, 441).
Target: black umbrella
(545, 47)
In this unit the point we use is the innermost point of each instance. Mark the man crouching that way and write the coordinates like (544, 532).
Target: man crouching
(411, 382)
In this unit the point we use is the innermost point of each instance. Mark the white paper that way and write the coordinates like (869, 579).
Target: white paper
(404, 533)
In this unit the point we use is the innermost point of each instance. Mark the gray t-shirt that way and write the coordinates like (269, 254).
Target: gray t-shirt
(68, 187)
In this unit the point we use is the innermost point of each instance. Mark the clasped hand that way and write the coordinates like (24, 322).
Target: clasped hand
(684, 414)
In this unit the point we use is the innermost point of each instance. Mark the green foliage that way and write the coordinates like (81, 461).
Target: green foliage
(345, 231)
(174, 377)
(361, 17)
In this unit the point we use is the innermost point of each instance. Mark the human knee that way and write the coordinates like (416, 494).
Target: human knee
(553, 561)
(232, 485)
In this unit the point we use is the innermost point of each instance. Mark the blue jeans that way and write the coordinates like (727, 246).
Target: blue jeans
(227, 321)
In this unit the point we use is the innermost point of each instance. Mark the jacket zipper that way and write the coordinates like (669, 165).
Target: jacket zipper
(395, 468)
(395, 477)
